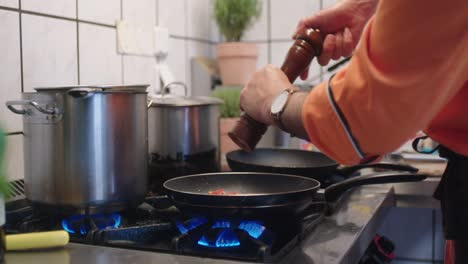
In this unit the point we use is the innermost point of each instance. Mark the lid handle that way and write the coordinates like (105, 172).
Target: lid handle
(164, 90)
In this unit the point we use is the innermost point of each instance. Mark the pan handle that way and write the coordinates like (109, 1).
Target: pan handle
(334, 192)
(348, 171)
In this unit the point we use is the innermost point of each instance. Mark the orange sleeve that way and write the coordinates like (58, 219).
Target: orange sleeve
(411, 60)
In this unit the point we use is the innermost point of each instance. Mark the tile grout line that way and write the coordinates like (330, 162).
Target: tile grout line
(54, 16)
(77, 45)
(21, 46)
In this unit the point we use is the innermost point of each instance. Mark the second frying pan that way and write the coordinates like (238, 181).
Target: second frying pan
(298, 162)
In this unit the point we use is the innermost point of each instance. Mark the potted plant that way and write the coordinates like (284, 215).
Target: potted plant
(230, 113)
(237, 60)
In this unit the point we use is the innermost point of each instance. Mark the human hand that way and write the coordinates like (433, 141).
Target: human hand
(343, 24)
(257, 95)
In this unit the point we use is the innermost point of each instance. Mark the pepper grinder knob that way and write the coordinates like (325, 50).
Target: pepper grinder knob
(308, 43)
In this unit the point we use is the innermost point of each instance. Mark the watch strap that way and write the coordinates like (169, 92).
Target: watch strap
(277, 117)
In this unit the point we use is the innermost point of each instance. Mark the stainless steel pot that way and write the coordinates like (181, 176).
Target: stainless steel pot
(183, 136)
(85, 147)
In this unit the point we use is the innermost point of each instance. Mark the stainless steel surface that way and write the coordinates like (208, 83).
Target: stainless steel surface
(179, 127)
(11, 105)
(183, 130)
(417, 194)
(101, 88)
(92, 155)
(341, 238)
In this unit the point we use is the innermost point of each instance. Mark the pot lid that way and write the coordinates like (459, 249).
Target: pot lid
(102, 88)
(177, 100)
(167, 99)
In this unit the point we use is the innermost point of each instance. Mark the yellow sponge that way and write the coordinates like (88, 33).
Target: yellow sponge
(37, 240)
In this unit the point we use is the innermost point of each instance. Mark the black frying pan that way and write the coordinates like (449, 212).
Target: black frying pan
(298, 162)
(263, 194)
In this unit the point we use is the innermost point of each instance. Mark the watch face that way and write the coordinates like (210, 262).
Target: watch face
(278, 103)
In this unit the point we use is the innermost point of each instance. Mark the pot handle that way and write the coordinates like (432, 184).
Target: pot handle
(334, 192)
(347, 171)
(11, 105)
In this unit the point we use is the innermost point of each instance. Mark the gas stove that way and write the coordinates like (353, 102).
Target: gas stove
(157, 226)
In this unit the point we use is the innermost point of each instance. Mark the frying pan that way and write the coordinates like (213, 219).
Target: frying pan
(298, 162)
(264, 194)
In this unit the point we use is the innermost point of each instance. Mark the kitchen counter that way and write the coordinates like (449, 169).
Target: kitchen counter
(340, 238)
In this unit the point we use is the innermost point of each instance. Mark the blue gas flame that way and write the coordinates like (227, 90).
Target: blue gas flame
(76, 223)
(225, 239)
(66, 227)
(190, 224)
(254, 228)
(221, 224)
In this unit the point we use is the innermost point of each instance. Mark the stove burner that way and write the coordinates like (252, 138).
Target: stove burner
(84, 223)
(156, 225)
(254, 228)
(221, 233)
(226, 238)
(190, 224)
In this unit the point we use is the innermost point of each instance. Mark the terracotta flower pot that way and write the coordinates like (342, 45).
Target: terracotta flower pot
(237, 61)
(226, 125)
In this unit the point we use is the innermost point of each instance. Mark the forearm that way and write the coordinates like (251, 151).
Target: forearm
(395, 83)
(291, 117)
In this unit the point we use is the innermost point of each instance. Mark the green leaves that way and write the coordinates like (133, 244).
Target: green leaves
(3, 183)
(235, 16)
(230, 97)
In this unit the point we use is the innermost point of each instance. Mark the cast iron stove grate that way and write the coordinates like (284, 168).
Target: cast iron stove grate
(157, 226)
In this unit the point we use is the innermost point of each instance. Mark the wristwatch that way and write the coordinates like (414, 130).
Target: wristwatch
(279, 104)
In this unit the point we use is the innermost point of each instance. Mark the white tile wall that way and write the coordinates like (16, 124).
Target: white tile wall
(65, 8)
(328, 3)
(286, 14)
(196, 49)
(14, 168)
(101, 11)
(172, 14)
(259, 29)
(278, 52)
(215, 36)
(177, 59)
(9, 3)
(99, 61)
(262, 55)
(140, 12)
(49, 52)
(10, 69)
(199, 18)
(139, 70)
(50, 46)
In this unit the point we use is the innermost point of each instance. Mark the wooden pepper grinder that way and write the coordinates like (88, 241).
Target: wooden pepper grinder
(248, 132)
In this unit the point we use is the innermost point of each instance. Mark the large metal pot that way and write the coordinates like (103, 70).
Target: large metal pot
(183, 136)
(85, 147)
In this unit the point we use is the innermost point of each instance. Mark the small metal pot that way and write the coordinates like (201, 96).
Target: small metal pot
(183, 136)
(85, 147)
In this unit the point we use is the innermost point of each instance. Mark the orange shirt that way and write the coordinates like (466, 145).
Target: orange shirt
(409, 73)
